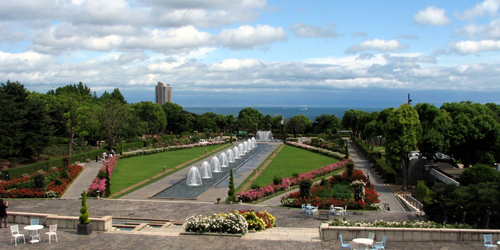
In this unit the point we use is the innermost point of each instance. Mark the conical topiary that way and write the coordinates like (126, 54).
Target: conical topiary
(84, 213)
(232, 191)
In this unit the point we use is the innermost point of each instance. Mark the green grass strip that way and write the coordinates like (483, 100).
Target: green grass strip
(133, 170)
(292, 160)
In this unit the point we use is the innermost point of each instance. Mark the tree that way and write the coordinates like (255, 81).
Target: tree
(474, 133)
(178, 119)
(402, 133)
(232, 192)
(113, 116)
(326, 123)
(249, 117)
(298, 124)
(206, 122)
(72, 106)
(350, 120)
(26, 126)
(478, 174)
(153, 115)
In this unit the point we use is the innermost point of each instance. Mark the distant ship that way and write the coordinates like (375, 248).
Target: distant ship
(303, 109)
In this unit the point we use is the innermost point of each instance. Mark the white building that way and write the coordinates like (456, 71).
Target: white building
(163, 93)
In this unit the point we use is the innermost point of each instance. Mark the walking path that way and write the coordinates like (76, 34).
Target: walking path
(385, 194)
(83, 181)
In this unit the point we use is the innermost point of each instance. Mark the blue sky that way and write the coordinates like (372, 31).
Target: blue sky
(258, 52)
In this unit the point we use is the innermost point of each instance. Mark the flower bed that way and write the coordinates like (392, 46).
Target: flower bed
(258, 221)
(236, 222)
(169, 148)
(323, 151)
(231, 223)
(99, 182)
(57, 181)
(370, 200)
(255, 194)
(402, 224)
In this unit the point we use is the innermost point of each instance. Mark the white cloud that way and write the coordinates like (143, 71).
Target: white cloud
(377, 45)
(247, 37)
(307, 30)
(490, 31)
(358, 34)
(431, 16)
(410, 37)
(472, 47)
(488, 7)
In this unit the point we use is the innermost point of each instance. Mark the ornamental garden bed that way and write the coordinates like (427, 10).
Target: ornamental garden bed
(355, 192)
(49, 184)
(238, 222)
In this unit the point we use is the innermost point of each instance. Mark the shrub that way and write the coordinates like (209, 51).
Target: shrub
(324, 182)
(232, 223)
(232, 192)
(255, 186)
(277, 180)
(350, 170)
(39, 181)
(84, 213)
(305, 188)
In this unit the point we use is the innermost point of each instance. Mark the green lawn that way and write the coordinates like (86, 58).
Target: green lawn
(292, 160)
(130, 171)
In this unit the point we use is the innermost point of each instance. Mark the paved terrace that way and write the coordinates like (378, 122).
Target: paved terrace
(295, 230)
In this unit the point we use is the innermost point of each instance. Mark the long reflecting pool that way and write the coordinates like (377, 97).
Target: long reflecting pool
(181, 190)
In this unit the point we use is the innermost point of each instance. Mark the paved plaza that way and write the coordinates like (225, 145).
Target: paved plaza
(294, 229)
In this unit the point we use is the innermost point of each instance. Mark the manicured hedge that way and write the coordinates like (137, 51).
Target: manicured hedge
(382, 167)
(132, 146)
(15, 173)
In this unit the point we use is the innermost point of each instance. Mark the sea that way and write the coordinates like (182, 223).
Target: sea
(287, 112)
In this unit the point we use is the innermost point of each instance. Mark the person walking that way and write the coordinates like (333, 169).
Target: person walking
(3, 212)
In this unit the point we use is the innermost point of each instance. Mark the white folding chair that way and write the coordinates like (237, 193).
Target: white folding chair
(52, 231)
(14, 229)
(488, 241)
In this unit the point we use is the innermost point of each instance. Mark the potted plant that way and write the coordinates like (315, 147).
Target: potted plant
(218, 200)
(85, 226)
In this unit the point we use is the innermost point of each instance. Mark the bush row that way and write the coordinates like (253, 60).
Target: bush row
(15, 173)
(322, 151)
(255, 194)
(381, 166)
(165, 149)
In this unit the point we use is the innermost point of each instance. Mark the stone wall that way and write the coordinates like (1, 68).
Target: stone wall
(406, 234)
(63, 222)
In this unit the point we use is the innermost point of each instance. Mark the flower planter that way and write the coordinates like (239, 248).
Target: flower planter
(84, 229)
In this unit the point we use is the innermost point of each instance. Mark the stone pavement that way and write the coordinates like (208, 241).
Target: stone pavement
(83, 181)
(68, 239)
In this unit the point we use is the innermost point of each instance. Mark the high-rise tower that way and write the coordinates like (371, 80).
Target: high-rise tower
(163, 93)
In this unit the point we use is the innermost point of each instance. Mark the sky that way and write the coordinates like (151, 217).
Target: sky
(258, 53)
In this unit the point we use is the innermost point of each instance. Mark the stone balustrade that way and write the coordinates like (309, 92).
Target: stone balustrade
(398, 234)
(63, 222)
